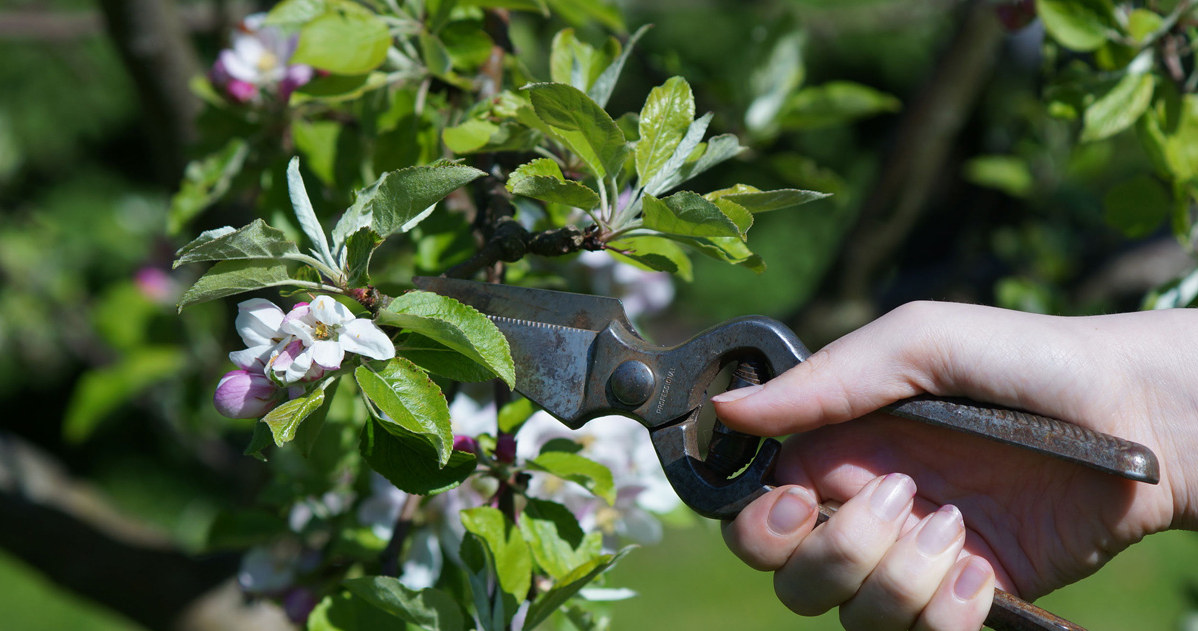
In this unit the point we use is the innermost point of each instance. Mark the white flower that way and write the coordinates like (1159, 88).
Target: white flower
(257, 323)
(642, 292)
(326, 331)
(621, 445)
(267, 570)
(257, 59)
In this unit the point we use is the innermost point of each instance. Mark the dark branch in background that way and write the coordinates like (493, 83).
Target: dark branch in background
(65, 26)
(909, 178)
(389, 558)
(69, 533)
(153, 43)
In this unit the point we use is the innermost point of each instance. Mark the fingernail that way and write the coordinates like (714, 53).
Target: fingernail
(940, 530)
(971, 579)
(739, 393)
(790, 511)
(892, 496)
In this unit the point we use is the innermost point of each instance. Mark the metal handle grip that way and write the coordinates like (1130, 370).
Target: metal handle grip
(1040, 434)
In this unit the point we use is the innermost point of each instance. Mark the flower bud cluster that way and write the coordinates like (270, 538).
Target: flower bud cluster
(285, 351)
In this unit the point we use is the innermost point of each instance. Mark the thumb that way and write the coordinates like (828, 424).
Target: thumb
(849, 378)
(921, 347)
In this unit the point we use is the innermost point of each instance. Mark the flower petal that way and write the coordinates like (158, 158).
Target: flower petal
(327, 354)
(363, 337)
(252, 358)
(258, 321)
(329, 311)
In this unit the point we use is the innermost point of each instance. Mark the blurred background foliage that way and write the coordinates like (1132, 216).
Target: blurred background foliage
(932, 125)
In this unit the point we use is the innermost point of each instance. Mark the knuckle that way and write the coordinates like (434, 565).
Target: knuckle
(849, 551)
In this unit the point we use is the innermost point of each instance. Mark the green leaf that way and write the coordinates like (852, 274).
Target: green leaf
(667, 114)
(603, 86)
(306, 215)
(259, 441)
(836, 103)
(514, 413)
(671, 173)
(687, 214)
(101, 391)
(293, 12)
(455, 325)
(435, 55)
(205, 181)
(1137, 206)
(506, 547)
(1142, 23)
(591, 475)
(471, 135)
(348, 612)
(1119, 108)
(286, 418)
(317, 141)
(774, 80)
(718, 149)
(569, 585)
(728, 249)
(358, 250)
(1009, 174)
(1179, 293)
(410, 462)
(582, 124)
(426, 608)
(765, 201)
(1081, 25)
(557, 541)
(350, 40)
(653, 253)
(441, 360)
(329, 89)
(411, 400)
(399, 200)
(254, 241)
(542, 179)
(468, 44)
(240, 529)
(574, 62)
(227, 278)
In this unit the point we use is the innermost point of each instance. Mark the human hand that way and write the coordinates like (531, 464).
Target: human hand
(1031, 523)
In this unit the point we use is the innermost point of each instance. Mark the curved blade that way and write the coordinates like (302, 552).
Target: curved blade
(576, 311)
(550, 334)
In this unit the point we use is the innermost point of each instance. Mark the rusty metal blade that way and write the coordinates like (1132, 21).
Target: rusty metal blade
(552, 363)
(576, 311)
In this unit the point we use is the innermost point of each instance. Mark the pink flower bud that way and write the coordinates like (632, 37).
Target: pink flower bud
(240, 91)
(465, 443)
(245, 394)
(505, 448)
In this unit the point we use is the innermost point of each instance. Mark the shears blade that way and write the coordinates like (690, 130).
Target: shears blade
(550, 334)
(575, 311)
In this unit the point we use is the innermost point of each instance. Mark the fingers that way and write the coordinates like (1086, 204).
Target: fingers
(873, 559)
(832, 563)
(999, 356)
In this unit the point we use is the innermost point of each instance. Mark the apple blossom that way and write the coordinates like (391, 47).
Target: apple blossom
(328, 330)
(257, 62)
(245, 394)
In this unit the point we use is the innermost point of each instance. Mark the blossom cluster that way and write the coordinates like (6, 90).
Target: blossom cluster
(284, 351)
(257, 63)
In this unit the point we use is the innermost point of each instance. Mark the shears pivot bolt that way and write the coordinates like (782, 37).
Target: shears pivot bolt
(632, 382)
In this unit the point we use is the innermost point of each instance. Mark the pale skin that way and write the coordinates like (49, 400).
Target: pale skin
(932, 521)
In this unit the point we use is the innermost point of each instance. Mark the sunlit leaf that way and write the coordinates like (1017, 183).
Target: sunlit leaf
(591, 475)
(455, 325)
(228, 278)
(410, 400)
(667, 114)
(254, 241)
(426, 608)
(349, 40)
(582, 124)
(410, 463)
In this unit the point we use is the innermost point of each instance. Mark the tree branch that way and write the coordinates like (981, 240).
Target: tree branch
(70, 533)
(153, 43)
(909, 178)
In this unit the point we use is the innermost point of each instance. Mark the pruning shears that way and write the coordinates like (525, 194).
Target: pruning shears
(579, 357)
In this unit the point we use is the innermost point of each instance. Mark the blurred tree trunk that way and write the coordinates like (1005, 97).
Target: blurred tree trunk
(154, 44)
(909, 178)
